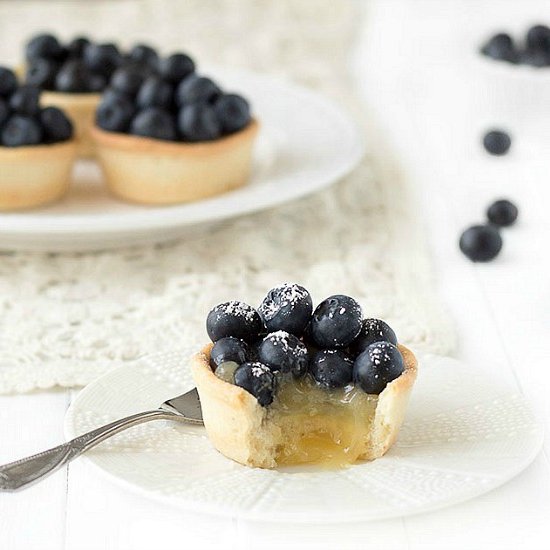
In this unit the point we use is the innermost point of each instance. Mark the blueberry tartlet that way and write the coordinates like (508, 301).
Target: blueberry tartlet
(72, 77)
(172, 136)
(37, 149)
(286, 384)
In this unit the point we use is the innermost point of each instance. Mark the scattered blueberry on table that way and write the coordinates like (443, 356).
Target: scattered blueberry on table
(534, 50)
(481, 243)
(497, 142)
(285, 339)
(502, 213)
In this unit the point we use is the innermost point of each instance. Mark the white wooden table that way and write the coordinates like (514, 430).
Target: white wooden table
(412, 65)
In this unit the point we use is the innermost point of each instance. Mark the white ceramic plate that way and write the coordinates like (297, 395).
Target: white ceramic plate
(306, 142)
(464, 435)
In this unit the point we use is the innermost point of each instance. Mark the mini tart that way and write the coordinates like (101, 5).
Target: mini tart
(81, 110)
(357, 427)
(35, 175)
(151, 171)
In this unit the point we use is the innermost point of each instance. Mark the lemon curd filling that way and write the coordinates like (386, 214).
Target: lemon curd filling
(328, 427)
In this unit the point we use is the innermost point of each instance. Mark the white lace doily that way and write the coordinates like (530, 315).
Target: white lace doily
(65, 319)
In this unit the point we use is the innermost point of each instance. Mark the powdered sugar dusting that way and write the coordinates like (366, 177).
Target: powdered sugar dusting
(287, 296)
(237, 309)
(258, 369)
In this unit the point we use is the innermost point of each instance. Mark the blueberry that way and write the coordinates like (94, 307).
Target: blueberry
(127, 80)
(4, 111)
(257, 379)
(114, 114)
(229, 349)
(73, 77)
(43, 46)
(102, 58)
(198, 122)
(538, 38)
(8, 82)
(497, 142)
(282, 351)
(41, 73)
(176, 67)
(500, 47)
(25, 100)
(21, 130)
(155, 92)
(502, 213)
(377, 366)
(481, 243)
(234, 319)
(75, 48)
(110, 94)
(287, 307)
(55, 125)
(372, 330)
(332, 368)
(336, 322)
(143, 55)
(96, 83)
(196, 88)
(155, 123)
(233, 112)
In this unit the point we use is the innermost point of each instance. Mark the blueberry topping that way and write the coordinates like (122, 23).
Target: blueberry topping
(500, 47)
(176, 67)
(110, 94)
(233, 112)
(55, 125)
(155, 123)
(377, 366)
(21, 130)
(372, 330)
(538, 38)
(143, 55)
(127, 80)
(535, 58)
(102, 58)
(75, 48)
(257, 379)
(198, 122)
(287, 307)
(332, 369)
(73, 77)
(25, 100)
(155, 92)
(229, 349)
(41, 73)
(481, 243)
(114, 114)
(8, 82)
(234, 319)
(497, 142)
(282, 351)
(336, 322)
(226, 371)
(43, 46)
(4, 111)
(96, 83)
(502, 213)
(196, 88)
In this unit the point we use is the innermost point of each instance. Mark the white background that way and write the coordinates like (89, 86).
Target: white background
(432, 99)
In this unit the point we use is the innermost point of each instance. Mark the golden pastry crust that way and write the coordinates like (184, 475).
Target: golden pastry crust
(151, 171)
(35, 175)
(246, 432)
(80, 108)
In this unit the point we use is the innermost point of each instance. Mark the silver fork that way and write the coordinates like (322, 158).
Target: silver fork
(21, 473)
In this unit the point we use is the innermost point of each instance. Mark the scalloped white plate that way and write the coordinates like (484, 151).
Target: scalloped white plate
(306, 142)
(463, 436)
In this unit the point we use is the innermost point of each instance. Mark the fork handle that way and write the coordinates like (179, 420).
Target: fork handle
(19, 474)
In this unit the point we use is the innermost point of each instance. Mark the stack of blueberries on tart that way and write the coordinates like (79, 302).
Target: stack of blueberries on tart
(73, 75)
(37, 149)
(165, 134)
(287, 384)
